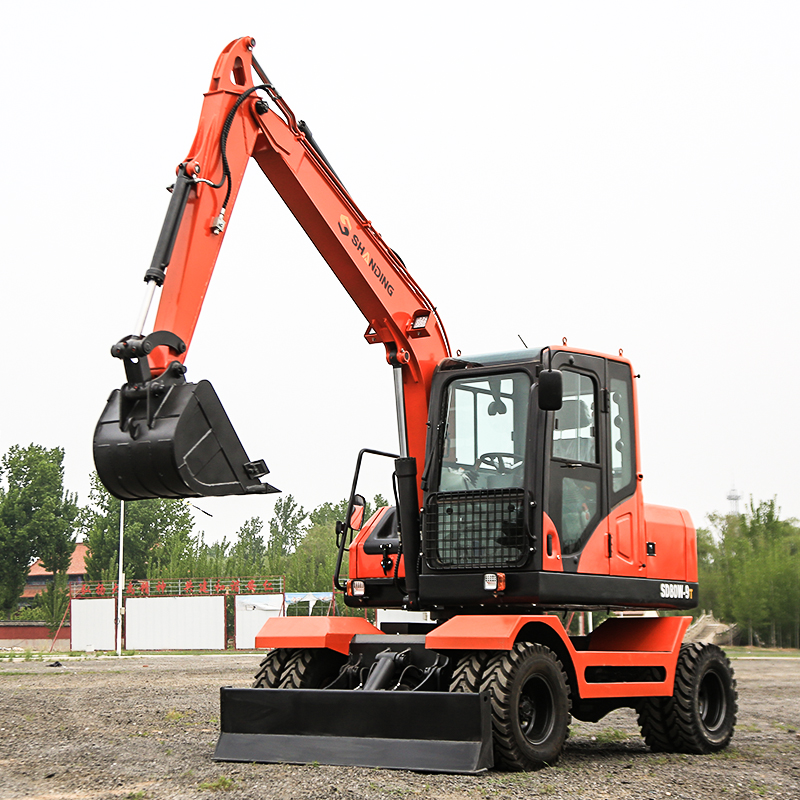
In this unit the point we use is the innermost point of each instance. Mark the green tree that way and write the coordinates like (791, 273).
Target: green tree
(249, 551)
(750, 572)
(36, 517)
(156, 532)
(173, 556)
(209, 560)
(286, 529)
(54, 601)
(311, 566)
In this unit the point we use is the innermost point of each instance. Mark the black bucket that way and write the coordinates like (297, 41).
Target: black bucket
(179, 444)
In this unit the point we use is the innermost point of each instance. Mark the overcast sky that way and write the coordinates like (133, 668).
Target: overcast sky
(623, 174)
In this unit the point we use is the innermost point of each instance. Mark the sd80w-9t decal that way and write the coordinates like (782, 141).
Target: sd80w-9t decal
(676, 591)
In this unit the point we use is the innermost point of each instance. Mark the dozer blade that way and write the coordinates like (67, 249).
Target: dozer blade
(180, 444)
(419, 731)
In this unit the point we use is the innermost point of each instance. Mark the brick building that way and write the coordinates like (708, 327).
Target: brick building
(39, 577)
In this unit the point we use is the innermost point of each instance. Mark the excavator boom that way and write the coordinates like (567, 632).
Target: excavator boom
(145, 445)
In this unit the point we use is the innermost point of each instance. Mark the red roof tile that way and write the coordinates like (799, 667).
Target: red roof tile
(77, 565)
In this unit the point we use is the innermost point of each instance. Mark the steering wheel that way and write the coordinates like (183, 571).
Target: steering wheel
(497, 462)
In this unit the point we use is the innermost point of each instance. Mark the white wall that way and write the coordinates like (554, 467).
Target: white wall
(92, 624)
(174, 623)
(252, 611)
(399, 615)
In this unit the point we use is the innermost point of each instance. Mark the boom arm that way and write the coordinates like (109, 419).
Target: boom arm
(236, 124)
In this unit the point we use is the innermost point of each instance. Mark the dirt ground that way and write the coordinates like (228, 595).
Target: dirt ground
(145, 727)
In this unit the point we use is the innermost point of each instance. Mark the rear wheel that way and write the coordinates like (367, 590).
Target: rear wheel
(655, 725)
(701, 714)
(530, 706)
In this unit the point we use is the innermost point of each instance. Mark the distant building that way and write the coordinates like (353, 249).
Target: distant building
(39, 577)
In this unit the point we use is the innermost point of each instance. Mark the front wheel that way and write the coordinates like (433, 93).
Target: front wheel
(311, 669)
(468, 673)
(285, 668)
(271, 669)
(530, 706)
(701, 714)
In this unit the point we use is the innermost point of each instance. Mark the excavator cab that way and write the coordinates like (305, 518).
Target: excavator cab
(531, 473)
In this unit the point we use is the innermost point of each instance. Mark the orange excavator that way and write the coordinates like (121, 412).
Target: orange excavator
(517, 502)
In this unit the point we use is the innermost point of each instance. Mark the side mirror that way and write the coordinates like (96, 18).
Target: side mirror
(551, 390)
(357, 512)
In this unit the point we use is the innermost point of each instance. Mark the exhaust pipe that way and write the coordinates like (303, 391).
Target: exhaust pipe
(408, 510)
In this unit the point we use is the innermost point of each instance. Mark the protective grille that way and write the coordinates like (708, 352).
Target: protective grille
(475, 529)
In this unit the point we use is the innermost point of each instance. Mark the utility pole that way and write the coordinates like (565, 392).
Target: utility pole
(121, 578)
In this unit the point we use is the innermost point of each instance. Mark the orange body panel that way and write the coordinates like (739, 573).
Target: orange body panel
(333, 633)
(365, 565)
(643, 634)
(646, 642)
(618, 545)
(672, 532)
(479, 632)
(630, 526)
(627, 538)
(594, 556)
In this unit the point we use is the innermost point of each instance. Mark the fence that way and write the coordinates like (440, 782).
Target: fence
(92, 625)
(17, 635)
(191, 614)
(175, 623)
(194, 587)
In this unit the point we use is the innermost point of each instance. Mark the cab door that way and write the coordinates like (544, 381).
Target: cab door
(576, 495)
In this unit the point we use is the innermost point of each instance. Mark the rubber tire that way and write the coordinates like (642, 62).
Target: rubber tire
(311, 669)
(528, 734)
(700, 717)
(270, 673)
(468, 674)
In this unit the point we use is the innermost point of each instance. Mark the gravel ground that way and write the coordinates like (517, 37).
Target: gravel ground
(145, 727)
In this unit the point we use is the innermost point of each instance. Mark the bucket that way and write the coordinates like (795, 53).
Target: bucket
(179, 443)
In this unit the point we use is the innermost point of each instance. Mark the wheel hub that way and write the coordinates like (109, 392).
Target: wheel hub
(536, 710)
(711, 701)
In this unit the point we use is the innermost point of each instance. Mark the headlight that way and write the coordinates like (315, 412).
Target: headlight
(494, 581)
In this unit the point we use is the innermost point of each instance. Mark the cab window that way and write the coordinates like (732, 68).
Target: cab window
(484, 439)
(574, 431)
(623, 446)
(575, 474)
